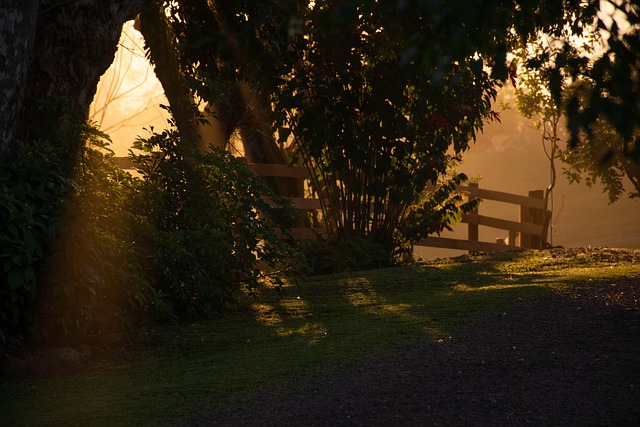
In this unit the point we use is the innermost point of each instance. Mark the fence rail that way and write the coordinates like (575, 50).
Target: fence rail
(529, 232)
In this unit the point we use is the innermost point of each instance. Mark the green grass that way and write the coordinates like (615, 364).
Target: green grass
(185, 371)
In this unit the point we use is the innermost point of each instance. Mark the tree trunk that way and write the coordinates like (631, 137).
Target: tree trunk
(17, 34)
(162, 53)
(240, 110)
(75, 42)
(260, 145)
(159, 41)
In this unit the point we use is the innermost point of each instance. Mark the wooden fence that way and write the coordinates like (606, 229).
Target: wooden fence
(529, 232)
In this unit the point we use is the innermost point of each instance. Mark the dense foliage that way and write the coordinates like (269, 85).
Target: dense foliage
(92, 282)
(389, 128)
(613, 75)
(600, 158)
(600, 155)
(376, 127)
(32, 191)
(97, 253)
(202, 224)
(79, 274)
(379, 99)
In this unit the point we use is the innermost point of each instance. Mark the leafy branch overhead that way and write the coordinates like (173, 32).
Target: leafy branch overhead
(597, 154)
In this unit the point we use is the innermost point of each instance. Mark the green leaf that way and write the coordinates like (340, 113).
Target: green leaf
(16, 279)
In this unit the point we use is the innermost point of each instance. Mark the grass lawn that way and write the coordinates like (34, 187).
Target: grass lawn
(184, 371)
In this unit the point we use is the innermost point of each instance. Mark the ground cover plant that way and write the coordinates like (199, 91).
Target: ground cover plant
(177, 374)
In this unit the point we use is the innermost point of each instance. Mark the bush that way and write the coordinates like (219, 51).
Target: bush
(96, 252)
(32, 190)
(93, 279)
(202, 224)
(68, 267)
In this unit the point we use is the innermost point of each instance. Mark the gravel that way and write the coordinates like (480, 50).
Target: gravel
(569, 359)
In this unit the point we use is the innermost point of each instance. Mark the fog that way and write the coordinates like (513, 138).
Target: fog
(509, 156)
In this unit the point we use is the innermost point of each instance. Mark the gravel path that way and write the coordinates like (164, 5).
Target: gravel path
(558, 360)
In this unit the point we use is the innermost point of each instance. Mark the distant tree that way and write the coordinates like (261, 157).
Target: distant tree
(534, 100)
(600, 153)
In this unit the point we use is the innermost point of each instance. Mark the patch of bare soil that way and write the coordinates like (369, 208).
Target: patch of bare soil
(570, 359)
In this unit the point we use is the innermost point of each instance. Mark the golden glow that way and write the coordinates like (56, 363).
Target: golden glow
(272, 316)
(360, 292)
(314, 332)
(496, 287)
(129, 95)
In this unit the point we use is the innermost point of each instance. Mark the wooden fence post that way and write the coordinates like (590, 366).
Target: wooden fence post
(532, 216)
(473, 228)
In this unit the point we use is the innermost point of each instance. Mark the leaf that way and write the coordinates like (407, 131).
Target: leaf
(15, 279)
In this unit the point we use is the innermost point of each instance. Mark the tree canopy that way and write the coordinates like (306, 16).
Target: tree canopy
(438, 34)
(379, 98)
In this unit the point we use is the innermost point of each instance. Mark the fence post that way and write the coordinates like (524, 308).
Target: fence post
(473, 228)
(532, 216)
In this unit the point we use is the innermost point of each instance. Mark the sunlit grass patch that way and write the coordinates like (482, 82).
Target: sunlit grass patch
(311, 332)
(267, 314)
(497, 287)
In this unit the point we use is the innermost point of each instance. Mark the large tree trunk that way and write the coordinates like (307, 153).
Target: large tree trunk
(17, 34)
(75, 42)
(239, 110)
(161, 46)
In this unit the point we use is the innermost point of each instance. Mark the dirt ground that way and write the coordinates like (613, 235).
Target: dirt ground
(570, 359)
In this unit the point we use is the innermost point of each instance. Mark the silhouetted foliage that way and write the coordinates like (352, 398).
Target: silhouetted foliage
(201, 224)
(378, 98)
(600, 157)
(601, 154)
(373, 126)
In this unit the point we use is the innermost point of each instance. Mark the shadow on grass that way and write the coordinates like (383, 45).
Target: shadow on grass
(187, 370)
